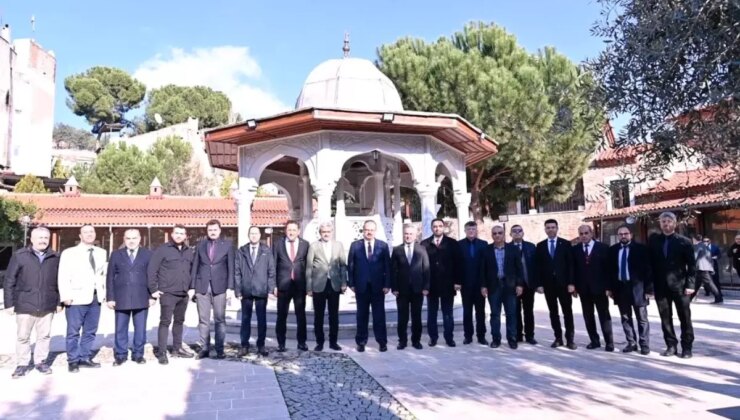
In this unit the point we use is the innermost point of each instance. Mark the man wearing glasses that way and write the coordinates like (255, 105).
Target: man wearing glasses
(525, 302)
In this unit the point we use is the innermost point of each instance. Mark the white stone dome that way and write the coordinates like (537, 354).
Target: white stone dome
(349, 83)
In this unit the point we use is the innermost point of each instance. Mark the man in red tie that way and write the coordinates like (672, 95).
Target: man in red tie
(290, 268)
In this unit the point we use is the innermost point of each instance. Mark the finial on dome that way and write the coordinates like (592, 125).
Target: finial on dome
(345, 48)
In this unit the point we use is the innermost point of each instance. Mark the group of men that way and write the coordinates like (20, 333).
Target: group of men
(40, 282)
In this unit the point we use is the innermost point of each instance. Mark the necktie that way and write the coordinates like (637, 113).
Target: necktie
(254, 253)
(292, 258)
(472, 249)
(585, 252)
(92, 259)
(552, 248)
(436, 242)
(211, 250)
(665, 247)
(623, 264)
(131, 255)
(524, 265)
(408, 253)
(369, 250)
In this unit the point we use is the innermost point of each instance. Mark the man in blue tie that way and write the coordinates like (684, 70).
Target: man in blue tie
(471, 251)
(631, 287)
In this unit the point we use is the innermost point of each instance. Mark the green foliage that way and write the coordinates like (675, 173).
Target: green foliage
(73, 137)
(59, 171)
(225, 188)
(30, 184)
(176, 103)
(11, 212)
(542, 109)
(103, 94)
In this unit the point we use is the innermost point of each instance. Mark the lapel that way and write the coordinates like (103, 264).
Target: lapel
(249, 256)
(414, 253)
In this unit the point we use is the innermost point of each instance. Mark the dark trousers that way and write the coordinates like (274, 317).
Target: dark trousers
(643, 326)
(283, 305)
(715, 278)
(364, 302)
(409, 303)
(329, 297)
(525, 314)
(260, 306)
(85, 317)
(705, 278)
(171, 306)
(683, 309)
(601, 302)
(448, 322)
(473, 300)
(507, 297)
(121, 338)
(552, 297)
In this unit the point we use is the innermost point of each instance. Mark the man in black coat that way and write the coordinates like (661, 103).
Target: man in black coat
(471, 255)
(554, 261)
(32, 295)
(673, 265)
(127, 294)
(631, 286)
(409, 283)
(444, 260)
(168, 273)
(501, 272)
(590, 269)
(525, 301)
(212, 279)
(290, 270)
(254, 280)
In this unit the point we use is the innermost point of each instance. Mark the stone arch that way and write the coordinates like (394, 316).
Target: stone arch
(255, 159)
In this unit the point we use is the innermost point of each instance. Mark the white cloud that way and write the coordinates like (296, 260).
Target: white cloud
(229, 69)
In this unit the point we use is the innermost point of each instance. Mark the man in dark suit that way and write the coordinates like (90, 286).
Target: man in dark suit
(733, 253)
(128, 294)
(290, 273)
(554, 261)
(444, 260)
(631, 286)
(212, 279)
(471, 255)
(590, 269)
(525, 301)
(673, 266)
(502, 283)
(254, 280)
(410, 283)
(369, 277)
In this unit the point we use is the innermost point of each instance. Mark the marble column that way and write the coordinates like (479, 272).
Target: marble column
(243, 199)
(323, 199)
(397, 217)
(379, 206)
(428, 195)
(462, 202)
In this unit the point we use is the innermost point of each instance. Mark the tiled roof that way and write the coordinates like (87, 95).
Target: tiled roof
(686, 180)
(617, 155)
(703, 200)
(58, 210)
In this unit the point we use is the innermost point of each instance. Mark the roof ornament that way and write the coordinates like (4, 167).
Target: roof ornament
(345, 48)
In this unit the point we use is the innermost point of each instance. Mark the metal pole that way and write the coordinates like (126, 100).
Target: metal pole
(25, 234)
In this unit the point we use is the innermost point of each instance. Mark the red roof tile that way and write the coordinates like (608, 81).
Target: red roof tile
(686, 180)
(140, 210)
(703, 200)
(619, 155)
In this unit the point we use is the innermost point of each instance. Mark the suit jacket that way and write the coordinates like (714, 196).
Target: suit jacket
(591, 273)
(512, 268)
(528, 263)
(373, 273)
(320, 267)
(413, 278)
(554, 272)
(675, 272)
(703, 256)
(445, 265)
(254, 279)
(126, 282)
(77, 279)
(219, 273)
(471, 264)
(638, 267)
(284, 266)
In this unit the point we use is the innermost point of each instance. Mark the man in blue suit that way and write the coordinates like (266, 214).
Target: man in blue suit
(127, 293)
(525, 302)
(471, 251)
(369, 277)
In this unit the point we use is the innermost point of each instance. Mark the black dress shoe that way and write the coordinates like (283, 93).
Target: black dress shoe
(302, 347)
(88, 364)
(162, 359)
(319, 347)
(556, 343)
(645, 351)
(335, 347)
(495, 344)
(417, 345)
(571, 346)
(360, 348)
(203, 354)
(609, 347)
(450, 343)
(281, 349)
(513, 345)
(629, 348)
(262, 351)
(73, 367)
(592, 346)
(119, 361)
(401, 346)
(220, 355)
(670, 351)
(467, 341)
(520, 339)
(43, 368)
(139, 360)
(531, 341)
(19, 372)
(432, 343)
(181, 353)
(686, 354)
(383, 348)
(482, 340)
(243, 352)
(718, 301)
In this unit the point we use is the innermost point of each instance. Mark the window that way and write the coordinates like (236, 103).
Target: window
(620, 191)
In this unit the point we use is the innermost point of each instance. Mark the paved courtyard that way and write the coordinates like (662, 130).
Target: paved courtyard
(468, 381)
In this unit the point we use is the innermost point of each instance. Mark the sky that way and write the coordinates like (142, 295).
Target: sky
(259, 53)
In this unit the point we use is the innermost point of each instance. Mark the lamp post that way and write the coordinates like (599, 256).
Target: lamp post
(25, 221)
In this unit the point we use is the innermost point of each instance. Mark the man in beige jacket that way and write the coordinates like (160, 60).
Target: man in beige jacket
(82, 271)
(326, 279)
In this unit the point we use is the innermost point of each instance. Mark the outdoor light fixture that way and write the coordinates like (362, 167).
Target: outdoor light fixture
(387, 117)
(630, 220)
(252, 124)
